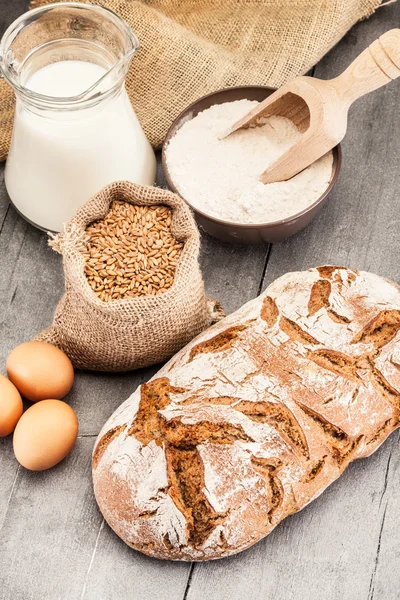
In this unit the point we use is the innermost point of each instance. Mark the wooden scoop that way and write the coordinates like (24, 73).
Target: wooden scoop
(319, 108)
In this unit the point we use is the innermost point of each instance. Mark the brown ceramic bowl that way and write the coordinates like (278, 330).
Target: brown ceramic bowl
(238, 232)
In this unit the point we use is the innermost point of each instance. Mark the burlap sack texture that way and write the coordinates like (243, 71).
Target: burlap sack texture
(134, 332)
(194, 47)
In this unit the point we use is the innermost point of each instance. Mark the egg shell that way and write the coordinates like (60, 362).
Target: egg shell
(40, 370)
(45, 434)
(10, 406)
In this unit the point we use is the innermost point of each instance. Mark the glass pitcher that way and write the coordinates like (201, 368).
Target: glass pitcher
(75, 129)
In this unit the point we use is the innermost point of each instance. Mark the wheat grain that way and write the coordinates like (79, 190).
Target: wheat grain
(131, 252)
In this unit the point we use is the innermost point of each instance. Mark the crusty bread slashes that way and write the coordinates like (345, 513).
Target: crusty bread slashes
(255, 417)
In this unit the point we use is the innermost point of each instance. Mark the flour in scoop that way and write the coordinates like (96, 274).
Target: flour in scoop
(222, 177)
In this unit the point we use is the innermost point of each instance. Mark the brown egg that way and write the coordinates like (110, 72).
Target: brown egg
(45, 434)
(40, 370)
(10, 406)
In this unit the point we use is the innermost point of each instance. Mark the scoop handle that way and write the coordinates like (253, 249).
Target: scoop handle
(376, 66)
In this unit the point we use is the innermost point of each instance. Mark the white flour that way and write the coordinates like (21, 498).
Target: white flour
(221, 177)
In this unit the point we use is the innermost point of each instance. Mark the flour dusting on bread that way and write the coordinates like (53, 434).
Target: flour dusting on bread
(255, 417)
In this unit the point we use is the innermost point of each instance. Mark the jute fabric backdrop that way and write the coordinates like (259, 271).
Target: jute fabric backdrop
(194, 47)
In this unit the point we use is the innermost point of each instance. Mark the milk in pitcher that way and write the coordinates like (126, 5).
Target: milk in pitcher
(75, 130)
(58, 162)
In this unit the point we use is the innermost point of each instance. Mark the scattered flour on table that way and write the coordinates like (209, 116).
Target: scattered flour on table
(221, 177)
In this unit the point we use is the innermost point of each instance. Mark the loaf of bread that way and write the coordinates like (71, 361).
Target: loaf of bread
(255, 417)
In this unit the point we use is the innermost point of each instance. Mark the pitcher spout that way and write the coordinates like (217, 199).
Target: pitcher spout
(67, 31)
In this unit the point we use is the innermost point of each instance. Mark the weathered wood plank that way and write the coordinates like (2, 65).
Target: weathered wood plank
(4, 202)
(8, 471)
(232, 273)
(50, 530)
(385, 578)
(118, 571)
(10, 11)
(8, 464)
(329, 550)
(31, 282)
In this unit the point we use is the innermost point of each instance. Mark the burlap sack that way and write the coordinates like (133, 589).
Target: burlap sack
(134, 332)
(193, 47)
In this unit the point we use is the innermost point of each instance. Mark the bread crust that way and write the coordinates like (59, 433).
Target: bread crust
(255, 417)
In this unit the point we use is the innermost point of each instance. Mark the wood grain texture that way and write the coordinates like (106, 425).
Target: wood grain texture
(8, 465)
(50, 529)
(118, 572)
(31, 282)
(9, 471)
(385, 578)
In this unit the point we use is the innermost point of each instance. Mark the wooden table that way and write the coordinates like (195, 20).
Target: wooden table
(346, 545)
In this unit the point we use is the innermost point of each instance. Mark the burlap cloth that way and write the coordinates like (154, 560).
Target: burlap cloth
(193, 47)
(133, 332)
